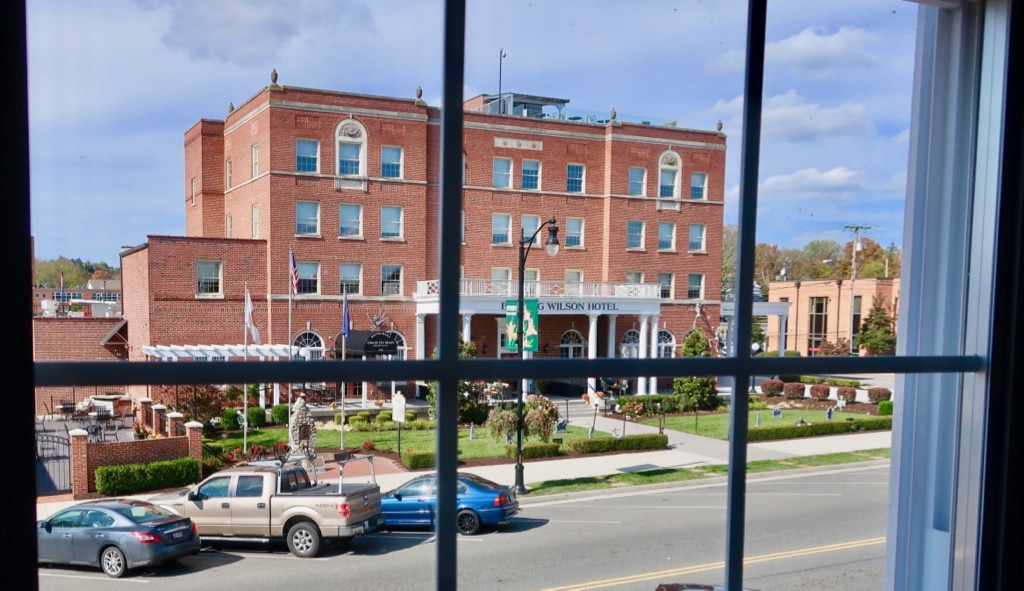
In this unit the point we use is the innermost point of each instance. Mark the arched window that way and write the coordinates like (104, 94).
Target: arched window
(669, 165)
(666, 344)
(311, 343)
(571, 345)
(351, 155)
(630, 345)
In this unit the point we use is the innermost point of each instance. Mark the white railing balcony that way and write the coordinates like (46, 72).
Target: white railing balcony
(545, 289)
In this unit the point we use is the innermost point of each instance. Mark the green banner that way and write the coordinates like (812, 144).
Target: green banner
(531, 324)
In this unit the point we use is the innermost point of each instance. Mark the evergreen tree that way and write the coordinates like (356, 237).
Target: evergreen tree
(877, 335)
(698, 392)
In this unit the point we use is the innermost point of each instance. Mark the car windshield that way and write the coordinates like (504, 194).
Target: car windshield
(143, 513)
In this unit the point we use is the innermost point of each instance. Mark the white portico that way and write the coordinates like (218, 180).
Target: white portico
(591, 299)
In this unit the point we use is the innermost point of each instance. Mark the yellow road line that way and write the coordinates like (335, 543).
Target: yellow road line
(689, 570)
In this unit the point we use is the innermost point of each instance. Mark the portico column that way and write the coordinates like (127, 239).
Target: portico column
(467, 319)
(592, 350)
(653, 381)
(421, 337)
(611, 335)
(641, 381)
(782, 334)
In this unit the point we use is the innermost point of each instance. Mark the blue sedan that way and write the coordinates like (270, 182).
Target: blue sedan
(116, 535)
(478, 501)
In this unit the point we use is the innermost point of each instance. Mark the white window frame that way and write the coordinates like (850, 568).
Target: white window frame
(205, 271)
(671, 285)
(643, 234)
(528, 224)
(308, 271)
(255, 160)
(501, 280)
(315, 157)
(701, 241)
(699, 191)
(642, 191)
(570, 232)
(359, 221)
(671, 236)
(501, 179)
(316, 232)
(496, 218)
(582, 179)
(401, 222)
(385, 284)
(227, 173)
(358, 278)
(689, 287)
(573, 282)
(669, 163)
(635, 277)
(530, 163)
(228, 226)
(255, 221)
(401, 162)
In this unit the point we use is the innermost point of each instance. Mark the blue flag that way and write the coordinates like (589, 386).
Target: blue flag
(344, 317)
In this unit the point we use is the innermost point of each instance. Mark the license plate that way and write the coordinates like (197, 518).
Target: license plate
(177, 535)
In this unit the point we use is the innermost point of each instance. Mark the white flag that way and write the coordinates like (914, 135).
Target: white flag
(248, 319)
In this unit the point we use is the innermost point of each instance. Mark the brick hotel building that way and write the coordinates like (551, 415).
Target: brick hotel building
(350, 184)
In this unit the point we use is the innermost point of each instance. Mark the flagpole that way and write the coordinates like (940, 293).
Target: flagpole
(291, 357)
(344, 347)
(245, 387)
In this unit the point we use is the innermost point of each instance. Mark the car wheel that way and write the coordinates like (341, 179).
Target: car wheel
(112, 562)
(304, 540)
(467, 522)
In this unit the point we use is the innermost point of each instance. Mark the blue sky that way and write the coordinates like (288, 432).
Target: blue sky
(114, 84)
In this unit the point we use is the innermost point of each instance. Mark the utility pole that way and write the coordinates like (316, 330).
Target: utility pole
(856, 229)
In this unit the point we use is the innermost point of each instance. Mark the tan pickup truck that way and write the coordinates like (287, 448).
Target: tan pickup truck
(271, 501)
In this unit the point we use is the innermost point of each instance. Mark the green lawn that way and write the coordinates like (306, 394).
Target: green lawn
(717, 425)
(480, 447)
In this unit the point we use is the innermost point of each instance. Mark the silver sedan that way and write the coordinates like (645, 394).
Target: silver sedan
(116, 535)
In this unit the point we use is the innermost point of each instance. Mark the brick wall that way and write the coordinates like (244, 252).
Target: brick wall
(72, 339)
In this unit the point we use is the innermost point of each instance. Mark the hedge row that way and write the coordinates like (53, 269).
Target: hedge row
(879, 394)
(131, 478)
(534, 450)
(818, 380)
(418, 460)
(815, 429)
(627, 443)
(359, 425)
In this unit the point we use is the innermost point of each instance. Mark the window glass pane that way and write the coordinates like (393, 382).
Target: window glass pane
(574, 178)
(348, 158)
(391, 279)
(530, 223)
(307, 218)
(696, 236)
(306, 152)
(636, 181)
(309, 277)
(574, 232)
(207, 277)
(350, 277)
(531, 174)
(695, 286)
(667, 188)
(698, 183)
(390, 162)
(665, 284)
(502, 172)
(666, 235)
(634, 234)
(390, 222)
(351, 217)
(501, 228)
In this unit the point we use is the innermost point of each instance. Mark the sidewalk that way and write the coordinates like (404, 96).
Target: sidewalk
(685, 451)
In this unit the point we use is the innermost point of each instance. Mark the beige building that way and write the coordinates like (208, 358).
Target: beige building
(820, 310)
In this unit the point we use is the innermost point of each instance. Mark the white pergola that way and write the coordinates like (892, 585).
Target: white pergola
(175, 352)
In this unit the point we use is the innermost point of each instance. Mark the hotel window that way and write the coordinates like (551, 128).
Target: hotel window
(307, 218)
(390, 222)
(349, 158)
(502, 173)
(351, 275)
(666, 235)
(698, 185)
(255, 160)
(391, 279)
(695, 286)
(501, 228)
(665, 281)
(668, 177)
(531, 175)
(635, 277)
(255, 221)
(531, 282)
(634, 234)
(817, 322)
(309, 278)
(573, 232)
(697, 237)
(227, 174)
(228, 226)
(391, 162)
(574, 178)
(501, 280)
(350, 220)
(530, 224)
(208, 279)
(637, 181)
(307, 156)
(573, 281)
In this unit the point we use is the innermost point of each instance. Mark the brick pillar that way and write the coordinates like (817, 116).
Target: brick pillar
(160, 419)
(174, 422)
(79, 464)
(145, 411)
(194, 432)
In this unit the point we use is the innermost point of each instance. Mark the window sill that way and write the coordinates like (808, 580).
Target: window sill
(314, 236)
(668, 250)
(636, 249)
(701, 251)
(503, 245)
(356, 237)
(209, 296)
(392, 239)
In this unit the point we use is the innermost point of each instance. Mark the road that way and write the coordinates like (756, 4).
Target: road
(806, 530)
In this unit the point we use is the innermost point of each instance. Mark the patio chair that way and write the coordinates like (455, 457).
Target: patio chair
(127, 418)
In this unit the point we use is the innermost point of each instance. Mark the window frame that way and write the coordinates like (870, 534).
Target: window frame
(392, 236)
(255, 160)
(703, 187)
(670, 286)
(300, 159)
(702, 243)
(527, 232)
(202, 294)
(642, 190)
(342, 220)
(630, 234)
(390, 174)
(342, 282)
(579, 235)
(497, 175)
(534, 178)
(671, 245)
(690, 291)
(507, 228)
(569, 178)
(307, 234)
(255, 221)
(309, 283)
(386, 282)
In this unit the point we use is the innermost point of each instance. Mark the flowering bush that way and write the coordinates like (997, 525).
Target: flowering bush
(501, 422)
(140, 429)
(819, 391)
(633, 408)
(540, 414)
(368, 445)
(772, 387)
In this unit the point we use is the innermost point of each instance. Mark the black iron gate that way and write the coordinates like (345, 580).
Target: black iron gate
(53, 464)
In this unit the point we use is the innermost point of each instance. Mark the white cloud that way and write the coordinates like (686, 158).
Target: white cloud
(812, 51)
(813, 181)
(902, 137)
(788, 118)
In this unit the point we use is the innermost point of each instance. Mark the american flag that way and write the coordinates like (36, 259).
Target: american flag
(295, 274)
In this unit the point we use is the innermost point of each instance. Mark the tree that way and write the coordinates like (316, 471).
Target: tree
(467, 406)
(837, 349)
(730, 238)
(877, 333)
(699, 392)
(198, 403)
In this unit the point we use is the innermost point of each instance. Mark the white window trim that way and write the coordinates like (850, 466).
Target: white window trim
(401, 224)
(319, 277)
(401, 163)
(643, 181)
(494, 172)
(306, 139)
(255, 221)
(401, 280)
(583, 178)
(511, 236)
(540, 172)
(672, 240)
(671, 285)
(583, 233)
(255, 160)
(228, 226)
(219, 294)
(359, 290)
(703, 238)
(319, 223)
(703, 285)
(643, 236)
(228, 171)
(357, 236)
(666, 164)
(704, 187)
(522, 228)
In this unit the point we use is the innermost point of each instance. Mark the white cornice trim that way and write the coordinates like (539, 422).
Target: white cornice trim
(343, 110)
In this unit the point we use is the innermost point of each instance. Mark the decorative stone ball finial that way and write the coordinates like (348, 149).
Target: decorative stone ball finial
(231, 107)
(613, 114)
(273, 76)
(419, 92)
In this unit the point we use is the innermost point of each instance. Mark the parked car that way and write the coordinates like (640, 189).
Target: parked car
(116, 535)
(479, 502)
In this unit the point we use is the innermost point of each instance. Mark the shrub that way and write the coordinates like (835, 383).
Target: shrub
(501, 423)
(786, 353)
(124, 479)
(229, 419)
(792, 431)
(337, 418)
(534, 450)
(846, 393)
(879, 394)
(838, 383)
(757, 404)
(629, 442)
(279, 414)
(384, 415)
(357, 424)
(368, 445)
(418, 460)
(794, 390)
(819, 391)
(772, 387)
(209, 431)
(256, 416)
(885, 408)
(363, 415)
(410, 416)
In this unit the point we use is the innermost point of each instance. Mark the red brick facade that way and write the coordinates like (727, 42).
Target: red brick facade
(249, 224)
(75, 339)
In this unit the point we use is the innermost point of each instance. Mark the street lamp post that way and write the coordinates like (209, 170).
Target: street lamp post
(855, 228)
(501, 101)
(524, 250)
